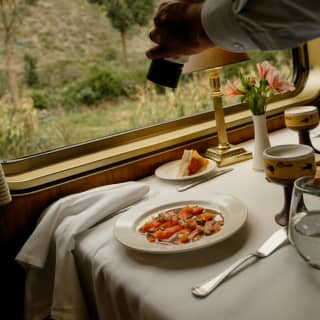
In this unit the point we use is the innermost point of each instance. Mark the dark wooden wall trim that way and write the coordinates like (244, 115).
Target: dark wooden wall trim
(18, 219)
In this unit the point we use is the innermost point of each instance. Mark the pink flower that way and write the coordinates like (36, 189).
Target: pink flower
(256, 91)
(278, 82)
(264, 69)
(233, 88)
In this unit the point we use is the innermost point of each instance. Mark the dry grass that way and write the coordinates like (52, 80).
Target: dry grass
(54, 31)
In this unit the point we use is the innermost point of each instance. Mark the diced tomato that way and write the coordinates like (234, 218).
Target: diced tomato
(205, 216)
(197, 210)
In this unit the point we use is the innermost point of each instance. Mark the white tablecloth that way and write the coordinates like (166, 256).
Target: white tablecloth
(52, 283)
(120, 283)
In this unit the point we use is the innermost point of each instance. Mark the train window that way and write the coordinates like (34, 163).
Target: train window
(74, 71)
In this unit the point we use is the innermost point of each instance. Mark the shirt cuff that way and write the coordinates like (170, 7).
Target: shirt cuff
(220, 22)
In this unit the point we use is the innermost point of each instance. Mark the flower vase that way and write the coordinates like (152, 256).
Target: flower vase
(261, 141)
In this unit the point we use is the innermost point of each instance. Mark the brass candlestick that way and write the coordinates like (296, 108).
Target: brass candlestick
(224, 154)
(212, 60)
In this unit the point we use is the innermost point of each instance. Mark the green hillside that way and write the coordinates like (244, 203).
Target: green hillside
(73, 30)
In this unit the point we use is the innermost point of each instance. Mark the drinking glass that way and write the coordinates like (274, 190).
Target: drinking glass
(304, 219)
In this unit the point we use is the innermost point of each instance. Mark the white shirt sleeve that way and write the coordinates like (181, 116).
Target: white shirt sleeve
(244, 25)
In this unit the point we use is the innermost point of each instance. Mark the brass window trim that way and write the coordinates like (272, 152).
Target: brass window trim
(55, 166)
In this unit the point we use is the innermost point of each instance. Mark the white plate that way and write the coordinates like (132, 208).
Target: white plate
(126, 227)
(169, 171)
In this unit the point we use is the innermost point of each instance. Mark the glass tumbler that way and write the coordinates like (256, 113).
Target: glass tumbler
(304, 219)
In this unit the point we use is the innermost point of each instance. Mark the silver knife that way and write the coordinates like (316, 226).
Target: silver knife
(204, 179)
(276, 240)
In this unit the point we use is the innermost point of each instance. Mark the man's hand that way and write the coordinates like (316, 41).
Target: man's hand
(178, 30)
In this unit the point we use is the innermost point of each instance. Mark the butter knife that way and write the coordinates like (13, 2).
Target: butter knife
(204, 179)
(276, 240)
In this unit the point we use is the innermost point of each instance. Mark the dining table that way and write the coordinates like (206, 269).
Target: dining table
(121, 282)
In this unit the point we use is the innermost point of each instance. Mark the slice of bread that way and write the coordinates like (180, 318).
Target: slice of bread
(191, 162)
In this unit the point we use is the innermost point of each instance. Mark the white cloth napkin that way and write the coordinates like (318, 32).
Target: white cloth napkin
(52, 281)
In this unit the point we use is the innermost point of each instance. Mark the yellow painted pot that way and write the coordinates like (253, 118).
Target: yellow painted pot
(299, 118)
(285, 163)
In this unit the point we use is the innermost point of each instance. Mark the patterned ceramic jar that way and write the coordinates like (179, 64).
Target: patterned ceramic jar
(301, 118)
(285, 163)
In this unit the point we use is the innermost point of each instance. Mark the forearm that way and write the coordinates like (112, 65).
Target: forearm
(244, 25)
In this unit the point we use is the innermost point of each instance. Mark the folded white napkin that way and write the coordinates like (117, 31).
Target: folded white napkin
(52, 281)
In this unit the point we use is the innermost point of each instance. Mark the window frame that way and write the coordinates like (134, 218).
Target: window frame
(53, 167)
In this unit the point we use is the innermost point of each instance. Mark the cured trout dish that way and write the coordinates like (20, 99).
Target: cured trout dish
(182, 225)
